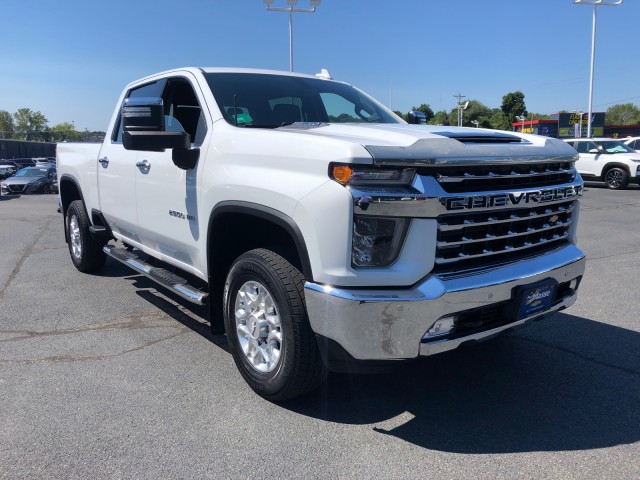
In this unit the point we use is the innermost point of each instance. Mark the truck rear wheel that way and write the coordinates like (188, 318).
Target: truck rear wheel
(267, 326)
(86, 253)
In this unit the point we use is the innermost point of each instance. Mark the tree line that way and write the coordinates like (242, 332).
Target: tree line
(26, 124)
(513, 106)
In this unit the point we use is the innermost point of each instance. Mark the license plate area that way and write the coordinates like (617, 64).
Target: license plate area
(533, 298)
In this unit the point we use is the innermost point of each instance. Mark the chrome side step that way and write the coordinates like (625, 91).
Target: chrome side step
(173, 282)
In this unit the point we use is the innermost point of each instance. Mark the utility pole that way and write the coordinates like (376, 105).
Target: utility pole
(460, 97)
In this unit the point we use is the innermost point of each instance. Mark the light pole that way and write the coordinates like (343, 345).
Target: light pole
(595, 4)
(522, 118)
(461, 107)
(291, 10)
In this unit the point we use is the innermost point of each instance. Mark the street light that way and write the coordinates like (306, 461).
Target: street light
(291, 9)
(476, 123)
(595, 4)
(522, 118)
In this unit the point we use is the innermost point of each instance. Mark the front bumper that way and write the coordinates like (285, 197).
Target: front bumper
(390, 324)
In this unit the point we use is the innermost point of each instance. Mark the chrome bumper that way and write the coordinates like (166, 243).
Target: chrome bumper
(390, 324)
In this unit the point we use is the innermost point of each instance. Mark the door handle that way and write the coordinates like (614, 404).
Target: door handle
(144, 165)
(104, 161)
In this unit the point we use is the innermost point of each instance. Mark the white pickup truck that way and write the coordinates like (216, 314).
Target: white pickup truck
(325, 231)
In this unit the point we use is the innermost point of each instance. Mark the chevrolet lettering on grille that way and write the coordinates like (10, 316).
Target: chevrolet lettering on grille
(512, 199)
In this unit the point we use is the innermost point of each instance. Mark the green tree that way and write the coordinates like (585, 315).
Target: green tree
(401, 115)
(513, 105)
(498, 120)
(440, 118)
(6, 124)
(30, 125)
(65, 132)
(476, 111)
(622, 114)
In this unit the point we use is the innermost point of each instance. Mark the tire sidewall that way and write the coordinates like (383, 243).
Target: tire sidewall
(246, 269)
(73, 211)
(625, 180)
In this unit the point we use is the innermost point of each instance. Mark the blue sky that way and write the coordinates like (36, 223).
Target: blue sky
(70, 59)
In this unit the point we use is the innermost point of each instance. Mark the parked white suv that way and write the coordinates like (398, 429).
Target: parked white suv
(606, 159)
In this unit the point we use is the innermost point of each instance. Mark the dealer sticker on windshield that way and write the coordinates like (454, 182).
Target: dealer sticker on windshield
(536, 298)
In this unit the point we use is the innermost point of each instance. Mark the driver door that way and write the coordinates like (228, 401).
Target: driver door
(167, 196)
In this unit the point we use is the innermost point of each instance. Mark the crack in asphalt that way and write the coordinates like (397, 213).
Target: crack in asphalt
(609, 207)
(82, 358)
(26, 253)
(614, 255)
(580, 355)
(133, 324)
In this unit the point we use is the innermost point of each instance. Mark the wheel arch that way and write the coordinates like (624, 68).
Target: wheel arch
(231, 232)
(70, 190)
(611, 165)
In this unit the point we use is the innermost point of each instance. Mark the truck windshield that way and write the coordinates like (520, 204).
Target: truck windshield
(271, 101)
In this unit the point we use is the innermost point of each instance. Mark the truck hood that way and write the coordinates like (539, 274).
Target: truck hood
(402, 144)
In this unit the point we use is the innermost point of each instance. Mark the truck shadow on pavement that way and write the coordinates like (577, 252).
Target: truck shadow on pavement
(566, 383)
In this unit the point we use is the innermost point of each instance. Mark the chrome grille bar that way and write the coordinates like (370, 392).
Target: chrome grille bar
(489, 237)
(498, 176)
(488, 253)
(491, 220)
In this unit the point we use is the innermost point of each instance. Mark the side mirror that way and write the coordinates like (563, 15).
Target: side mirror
(417, 117)
(143, 126)
(594, 150)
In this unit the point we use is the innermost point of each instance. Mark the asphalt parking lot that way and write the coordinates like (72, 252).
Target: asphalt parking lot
(103, 376)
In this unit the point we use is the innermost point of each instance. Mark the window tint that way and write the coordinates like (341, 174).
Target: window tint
(271, 101)
(149, 90)
(183, 111)
(584, 147)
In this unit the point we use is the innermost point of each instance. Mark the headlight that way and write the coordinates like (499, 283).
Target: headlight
(357, 175)
(377, 240)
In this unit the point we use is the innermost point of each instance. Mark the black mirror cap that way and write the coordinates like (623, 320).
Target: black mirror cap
(185, 158)
(155, 141)
(417, 117)
(143, 114)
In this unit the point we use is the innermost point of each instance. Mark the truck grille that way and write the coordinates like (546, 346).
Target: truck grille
(475, 239)
(482, 178)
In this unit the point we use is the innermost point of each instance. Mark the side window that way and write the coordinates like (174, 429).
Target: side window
(149, 90)
(183, 111)
(583, 147)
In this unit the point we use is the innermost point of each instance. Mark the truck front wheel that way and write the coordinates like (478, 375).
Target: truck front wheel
(267, 327)
(86, 253)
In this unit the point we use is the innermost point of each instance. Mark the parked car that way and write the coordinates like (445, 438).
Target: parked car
(7, 169)
(633, 142)
(30, 180)
(45, 161)
(607, 160)
(23, 162)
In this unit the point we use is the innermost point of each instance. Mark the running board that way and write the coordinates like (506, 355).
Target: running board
(173, 282)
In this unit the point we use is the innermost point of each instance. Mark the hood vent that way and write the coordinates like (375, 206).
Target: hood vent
(481, 137)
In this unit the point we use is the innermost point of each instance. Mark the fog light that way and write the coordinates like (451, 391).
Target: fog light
(442, 327)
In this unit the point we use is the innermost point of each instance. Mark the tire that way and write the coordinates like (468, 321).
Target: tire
(267, 326)
(86, 253)
(616, 178)
(46, 189)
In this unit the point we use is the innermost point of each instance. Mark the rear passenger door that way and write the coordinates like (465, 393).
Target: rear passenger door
(167, 196)
(589, 163)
